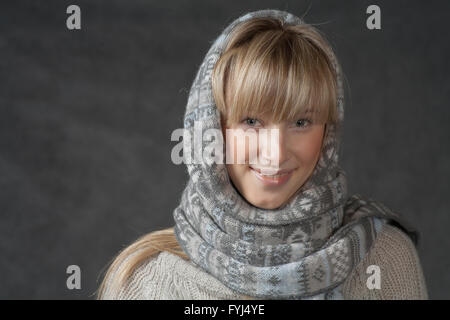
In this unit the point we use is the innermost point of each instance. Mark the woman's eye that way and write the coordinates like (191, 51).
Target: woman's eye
(251, 121)
(302, 123)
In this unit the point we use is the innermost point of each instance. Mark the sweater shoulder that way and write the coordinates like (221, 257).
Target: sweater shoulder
(134, 287)
(166, 276)
(182, 279)
(395, 256)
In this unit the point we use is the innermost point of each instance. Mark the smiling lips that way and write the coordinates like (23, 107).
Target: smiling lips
(271, 177)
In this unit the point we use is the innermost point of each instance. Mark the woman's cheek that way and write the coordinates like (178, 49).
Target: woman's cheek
(308, 148)
(245, 147)
(235, 153)
(252, 152)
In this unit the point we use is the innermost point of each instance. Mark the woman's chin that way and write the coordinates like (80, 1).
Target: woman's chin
(266, 202)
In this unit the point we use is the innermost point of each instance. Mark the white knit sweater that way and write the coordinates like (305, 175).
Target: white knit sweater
(169, 277)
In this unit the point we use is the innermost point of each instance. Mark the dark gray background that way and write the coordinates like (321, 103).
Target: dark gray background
(86, 118)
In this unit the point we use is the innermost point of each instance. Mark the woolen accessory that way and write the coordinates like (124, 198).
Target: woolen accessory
(303, 250)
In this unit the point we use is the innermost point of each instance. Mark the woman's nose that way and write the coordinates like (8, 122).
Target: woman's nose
(273, 151)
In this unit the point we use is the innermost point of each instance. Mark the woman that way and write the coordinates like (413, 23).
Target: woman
(278, 225)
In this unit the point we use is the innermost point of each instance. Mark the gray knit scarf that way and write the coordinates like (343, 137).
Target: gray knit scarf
(303, 250)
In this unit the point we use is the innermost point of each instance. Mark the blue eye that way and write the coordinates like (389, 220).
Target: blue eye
(302, 123)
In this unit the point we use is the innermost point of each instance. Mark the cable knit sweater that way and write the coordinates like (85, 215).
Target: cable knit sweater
(169, 277)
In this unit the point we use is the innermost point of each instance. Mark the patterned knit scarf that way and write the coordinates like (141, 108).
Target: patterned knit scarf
(303, 250)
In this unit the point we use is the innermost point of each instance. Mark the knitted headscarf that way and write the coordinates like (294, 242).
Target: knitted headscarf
(302, 250)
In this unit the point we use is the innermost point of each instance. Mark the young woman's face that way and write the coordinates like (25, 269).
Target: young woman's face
(281, 166)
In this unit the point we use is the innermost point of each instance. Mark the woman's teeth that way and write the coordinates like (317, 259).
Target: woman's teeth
(273, 175)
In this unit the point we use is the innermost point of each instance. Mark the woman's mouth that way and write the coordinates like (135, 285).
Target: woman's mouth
(271, 177)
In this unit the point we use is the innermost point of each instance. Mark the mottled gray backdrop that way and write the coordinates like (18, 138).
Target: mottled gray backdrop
(86, 118)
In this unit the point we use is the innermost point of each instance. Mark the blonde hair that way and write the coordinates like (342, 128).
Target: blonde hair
(275, 69)
(267, 67)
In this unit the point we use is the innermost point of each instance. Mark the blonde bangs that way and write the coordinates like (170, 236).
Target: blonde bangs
(279, 72)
